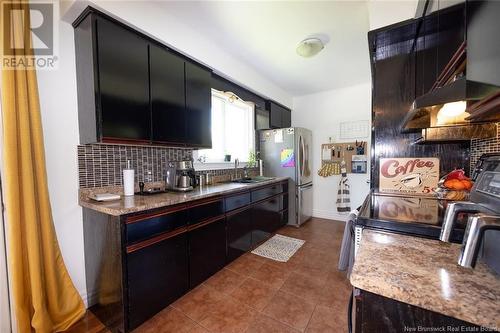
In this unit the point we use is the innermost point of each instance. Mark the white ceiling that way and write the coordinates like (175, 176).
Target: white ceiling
(264, 34)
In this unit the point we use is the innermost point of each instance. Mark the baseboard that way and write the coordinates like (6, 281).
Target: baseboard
(328, 214)
(88, 299)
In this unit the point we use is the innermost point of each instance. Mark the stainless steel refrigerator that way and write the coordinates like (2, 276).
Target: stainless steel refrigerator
(286, 152)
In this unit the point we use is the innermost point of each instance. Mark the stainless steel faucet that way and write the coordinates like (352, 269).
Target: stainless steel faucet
(451, 214)
(476, 226)
(236, 164)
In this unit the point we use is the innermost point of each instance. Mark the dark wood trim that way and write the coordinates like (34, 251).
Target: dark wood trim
(238, 210)
(206, 222)
(237, 193)
(205, 201)
(169, 144)
(156, 239)
(266, 199)
(106, 139)
(283, 210)
(145, 216)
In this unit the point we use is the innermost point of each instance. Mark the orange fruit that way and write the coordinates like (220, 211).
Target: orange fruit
(467, 184)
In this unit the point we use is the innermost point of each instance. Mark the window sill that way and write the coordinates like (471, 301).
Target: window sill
(217, 165)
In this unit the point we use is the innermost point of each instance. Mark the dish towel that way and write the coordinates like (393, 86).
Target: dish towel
(346, 258)
(343, 194)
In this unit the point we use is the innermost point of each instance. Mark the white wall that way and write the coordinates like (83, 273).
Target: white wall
(386, 12)
(322, 113)
(58, 98)
(58, 102)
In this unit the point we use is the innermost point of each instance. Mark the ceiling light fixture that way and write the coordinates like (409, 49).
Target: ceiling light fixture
(310, 47)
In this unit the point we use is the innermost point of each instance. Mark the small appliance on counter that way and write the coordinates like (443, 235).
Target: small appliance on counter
(180, 176)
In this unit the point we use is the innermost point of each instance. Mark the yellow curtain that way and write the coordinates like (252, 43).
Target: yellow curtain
(45, 299)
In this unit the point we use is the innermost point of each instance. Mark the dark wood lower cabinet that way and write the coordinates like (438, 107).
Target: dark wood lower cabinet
(157, 275)
(138, 264)
(266, 218)
(239, 233)
(375, 313)
(207, 251)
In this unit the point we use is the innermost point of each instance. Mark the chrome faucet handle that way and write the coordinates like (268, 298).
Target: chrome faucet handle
(476, 226)
(450, 216)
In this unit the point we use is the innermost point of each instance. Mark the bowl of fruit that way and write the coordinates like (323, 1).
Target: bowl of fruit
(454, 186)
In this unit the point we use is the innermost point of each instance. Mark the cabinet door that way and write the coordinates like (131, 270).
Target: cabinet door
(286, 118)
(239, 233)
(123, 83)
(261, 119)
(266, 219)
(168, 104)
(198, 106)
(207, 251)
(275, 119)
(157, 276)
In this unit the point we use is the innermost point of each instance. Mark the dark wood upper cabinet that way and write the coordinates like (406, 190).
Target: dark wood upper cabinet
(132, 89)
(286, 118)
(280, 117)
(123, 82)
(198, 106)
(168, 102)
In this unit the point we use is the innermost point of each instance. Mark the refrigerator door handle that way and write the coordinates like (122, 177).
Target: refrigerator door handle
(301, 158)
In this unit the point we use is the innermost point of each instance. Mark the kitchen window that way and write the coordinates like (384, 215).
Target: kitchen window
(232, 131)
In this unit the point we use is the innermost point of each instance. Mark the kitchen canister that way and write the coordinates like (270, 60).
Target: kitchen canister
(128, 180)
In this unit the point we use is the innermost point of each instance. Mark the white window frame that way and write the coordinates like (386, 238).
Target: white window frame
(220, 163)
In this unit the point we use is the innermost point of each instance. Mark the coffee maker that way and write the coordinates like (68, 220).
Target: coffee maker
(180, 176)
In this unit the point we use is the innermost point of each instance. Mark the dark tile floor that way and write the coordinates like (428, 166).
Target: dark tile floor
(254, 294)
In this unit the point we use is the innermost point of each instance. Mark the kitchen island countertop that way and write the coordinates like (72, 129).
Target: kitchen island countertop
(424, 273)
(137, 203)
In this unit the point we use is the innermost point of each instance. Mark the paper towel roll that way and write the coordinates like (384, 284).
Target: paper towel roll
(128, 181)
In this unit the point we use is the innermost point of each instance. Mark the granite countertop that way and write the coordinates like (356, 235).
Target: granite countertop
(425, 273)
(139, 203)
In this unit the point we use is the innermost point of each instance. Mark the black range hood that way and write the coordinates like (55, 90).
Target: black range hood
(472, 75)
(424, 110)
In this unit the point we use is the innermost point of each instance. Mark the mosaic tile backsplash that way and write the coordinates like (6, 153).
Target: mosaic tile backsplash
(481, 146)
(101, 165)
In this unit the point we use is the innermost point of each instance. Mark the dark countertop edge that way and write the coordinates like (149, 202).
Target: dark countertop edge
(94, 205)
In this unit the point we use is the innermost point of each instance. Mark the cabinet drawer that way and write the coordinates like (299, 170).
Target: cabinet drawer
(266, 192)
(237, 201)
(205, 210)
(157, 275)
(141, 227)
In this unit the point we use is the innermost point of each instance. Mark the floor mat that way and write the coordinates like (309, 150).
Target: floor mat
(279, 248)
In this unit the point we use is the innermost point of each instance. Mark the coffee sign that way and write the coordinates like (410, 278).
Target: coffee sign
(409, 175)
